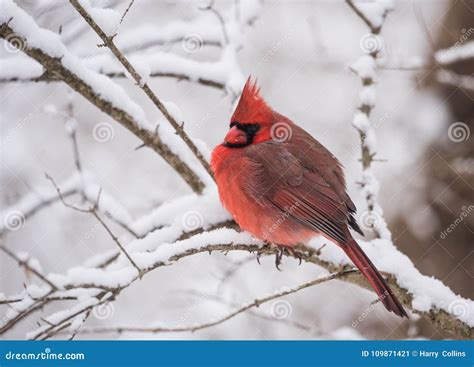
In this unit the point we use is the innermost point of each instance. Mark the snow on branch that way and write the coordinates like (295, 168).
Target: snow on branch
(457, 52)
(223, 73)
(423, 295)
(46, 48)
(212, 74)
(373, 14)
(109, 43)
(238, 310)
(194, 224)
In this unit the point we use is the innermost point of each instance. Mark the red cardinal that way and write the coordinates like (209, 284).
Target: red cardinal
(284, 187)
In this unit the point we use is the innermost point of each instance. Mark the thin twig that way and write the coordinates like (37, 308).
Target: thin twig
(109, 43)
(93, 210)
(126, 11)
(256, 303)
(219, 17)
(24, 264)
(54, 66)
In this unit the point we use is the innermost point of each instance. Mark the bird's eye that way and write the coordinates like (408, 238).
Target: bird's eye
(253, 128)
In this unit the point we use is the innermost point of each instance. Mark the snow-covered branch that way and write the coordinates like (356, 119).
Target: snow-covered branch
(373, 14)
(238, 310)
(48, 50)
(141, 82)
(194, 224)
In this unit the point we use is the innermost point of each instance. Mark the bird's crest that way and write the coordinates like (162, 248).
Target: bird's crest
(252, 108)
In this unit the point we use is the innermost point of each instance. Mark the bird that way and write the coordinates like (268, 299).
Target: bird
(284, 187)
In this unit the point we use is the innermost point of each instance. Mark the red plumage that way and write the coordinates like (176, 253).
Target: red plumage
(284, 187)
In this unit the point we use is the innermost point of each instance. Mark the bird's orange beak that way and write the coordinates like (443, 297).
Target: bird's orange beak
(235, 136)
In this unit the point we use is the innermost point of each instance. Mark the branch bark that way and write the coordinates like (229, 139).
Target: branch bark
(54, 66)
(109, 43)
(48, 78)
(256, 303)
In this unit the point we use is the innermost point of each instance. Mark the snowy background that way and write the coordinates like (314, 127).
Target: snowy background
(300, 52)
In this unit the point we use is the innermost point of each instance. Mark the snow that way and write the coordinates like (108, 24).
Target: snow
(374, 11)
(146, 34)
(51, 44)
(365, 67)
(107, 19)
(20, 67)
(427, 292)
(79, 275)
(457, 52)
(215, 237)
(31, 202)
(166, 223)
(180, 148)
(143, 69)
(361, 122)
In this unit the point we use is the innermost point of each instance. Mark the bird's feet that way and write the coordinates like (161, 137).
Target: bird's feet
(281, 249)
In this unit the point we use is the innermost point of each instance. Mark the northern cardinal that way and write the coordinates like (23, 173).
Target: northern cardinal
(284, 187)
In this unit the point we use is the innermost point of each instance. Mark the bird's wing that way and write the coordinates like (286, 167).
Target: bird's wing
(281, 180)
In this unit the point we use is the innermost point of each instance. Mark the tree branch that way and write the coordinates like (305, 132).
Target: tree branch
(256, 303)
(49, 78)
(54, 66)
(108, 41)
